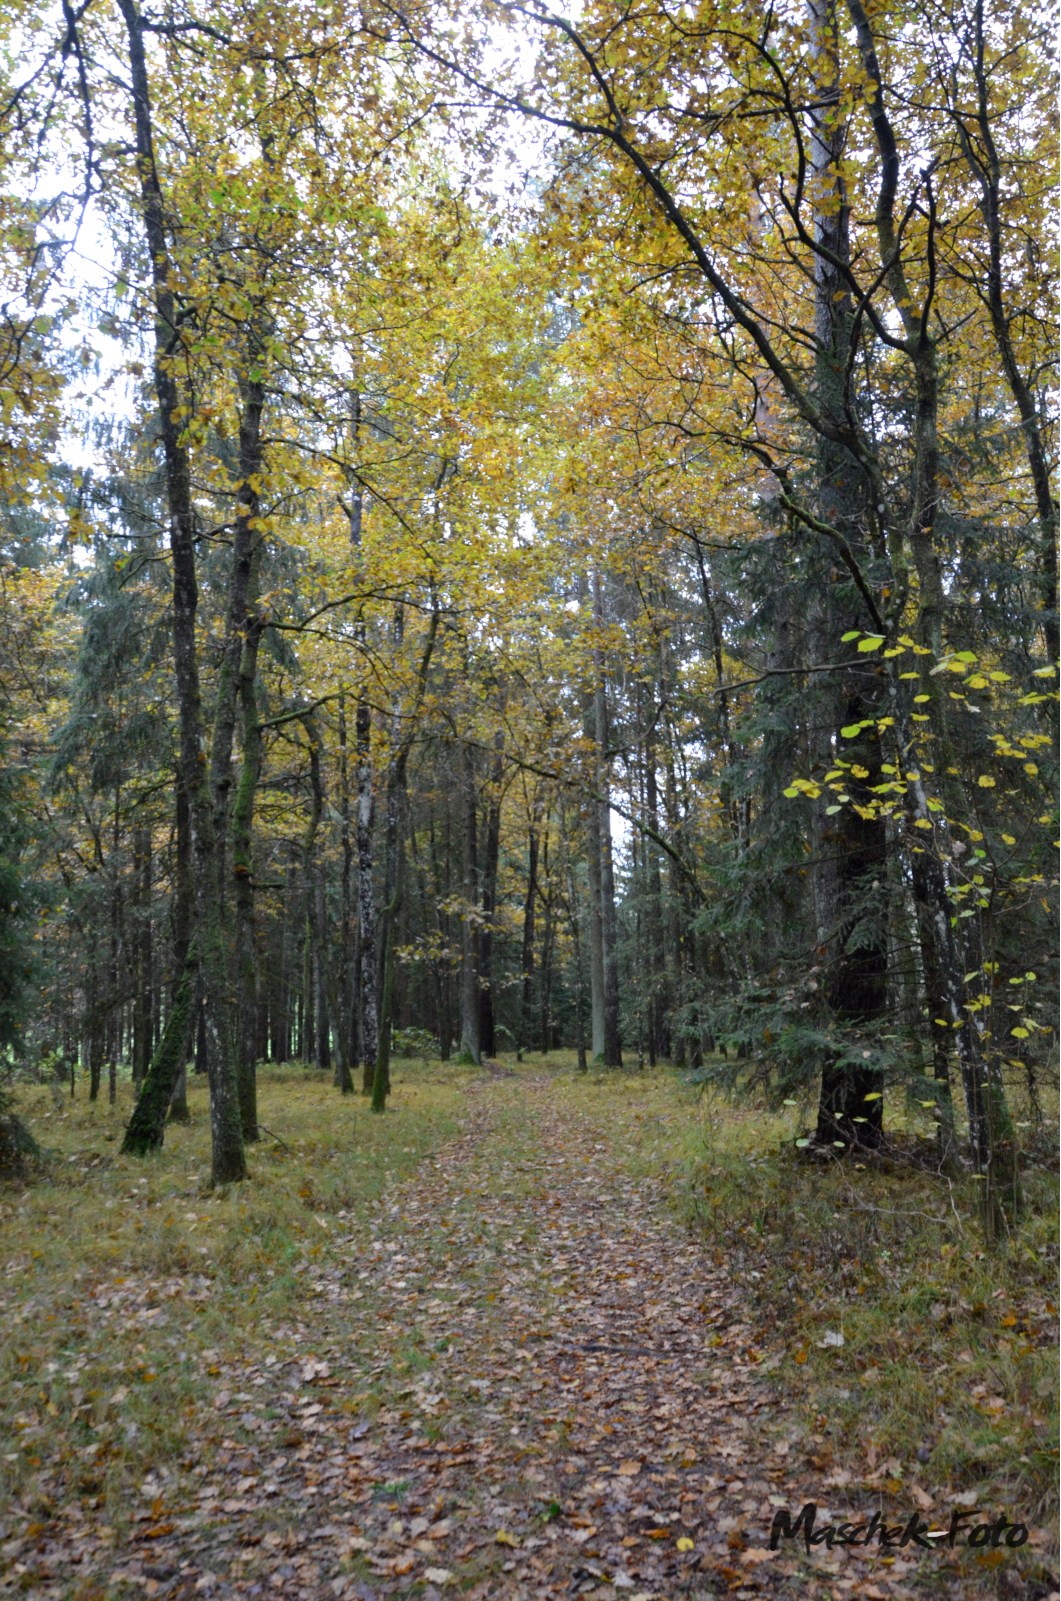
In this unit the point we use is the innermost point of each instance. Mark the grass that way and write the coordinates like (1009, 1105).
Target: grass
(948, 1369)
(95, 1388)
(131, 1293)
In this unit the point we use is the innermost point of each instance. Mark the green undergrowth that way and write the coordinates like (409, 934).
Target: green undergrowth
(126, 1284)
(947, 1374)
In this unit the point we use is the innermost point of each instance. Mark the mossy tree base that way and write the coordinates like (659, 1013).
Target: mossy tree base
(146, 1128)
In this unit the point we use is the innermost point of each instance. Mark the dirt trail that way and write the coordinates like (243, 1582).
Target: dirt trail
(556, 1419)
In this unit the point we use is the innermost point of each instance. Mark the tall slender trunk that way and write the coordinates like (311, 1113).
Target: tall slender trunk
(985, 167)
(526, 1009)
(182, 934)
(286, 1006)
(596, 931)
(580, 998)
(394, 859)
(491, 853)
(613, 1056)
(247, 999)
(366, 901)
(364, 1002)
(657, 998)
(144, 975)
(95, 1040)
(330, 1014)
(228, 1161)
(991, 1139)
(346, 935)
(545, 967)
(470, 998)
(441, 867)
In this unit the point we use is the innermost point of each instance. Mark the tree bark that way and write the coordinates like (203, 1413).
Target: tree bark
(526, 1009)
(487, 1023)
(144, 973)
(366, 903)
(580, 1002)
(470, 997)
(164, 1088)
(247, 1004)
(346, 934)
(613, 1055)
(330, 1018)
(227, 1159)
(395, 856)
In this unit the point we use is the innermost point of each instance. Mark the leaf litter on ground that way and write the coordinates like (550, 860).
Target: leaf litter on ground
(511, 1375)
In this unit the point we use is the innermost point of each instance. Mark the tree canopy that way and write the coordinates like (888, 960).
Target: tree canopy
(534, 532)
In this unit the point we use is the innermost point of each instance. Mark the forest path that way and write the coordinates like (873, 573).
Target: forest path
(548, 1428)
(564, 1441)
(516, 1377)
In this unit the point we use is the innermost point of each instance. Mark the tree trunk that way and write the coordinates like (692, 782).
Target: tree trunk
(487, 1026)
(142, 1007)
(182, 927)
(657, 996)
(366, 904)
(227, 1162)
(527, 954)
(247, 1004)
(164, 1090)
(347, 937)
(470, 999)
(596, 934)
(580, 998)
(545, 969)
(393, 864)
(613, 1055)
(330, 1017)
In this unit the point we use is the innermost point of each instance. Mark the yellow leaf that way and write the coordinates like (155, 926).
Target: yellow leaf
(502, 1537)
(870, 644)
(990, 1559)
(985, 782)
(685, 1544)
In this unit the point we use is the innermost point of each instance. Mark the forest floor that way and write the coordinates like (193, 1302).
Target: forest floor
(510, 1340)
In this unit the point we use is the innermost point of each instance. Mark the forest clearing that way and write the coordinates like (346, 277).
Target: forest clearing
(529, 653)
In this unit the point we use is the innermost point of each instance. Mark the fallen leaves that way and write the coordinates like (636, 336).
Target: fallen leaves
(454, 1440)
